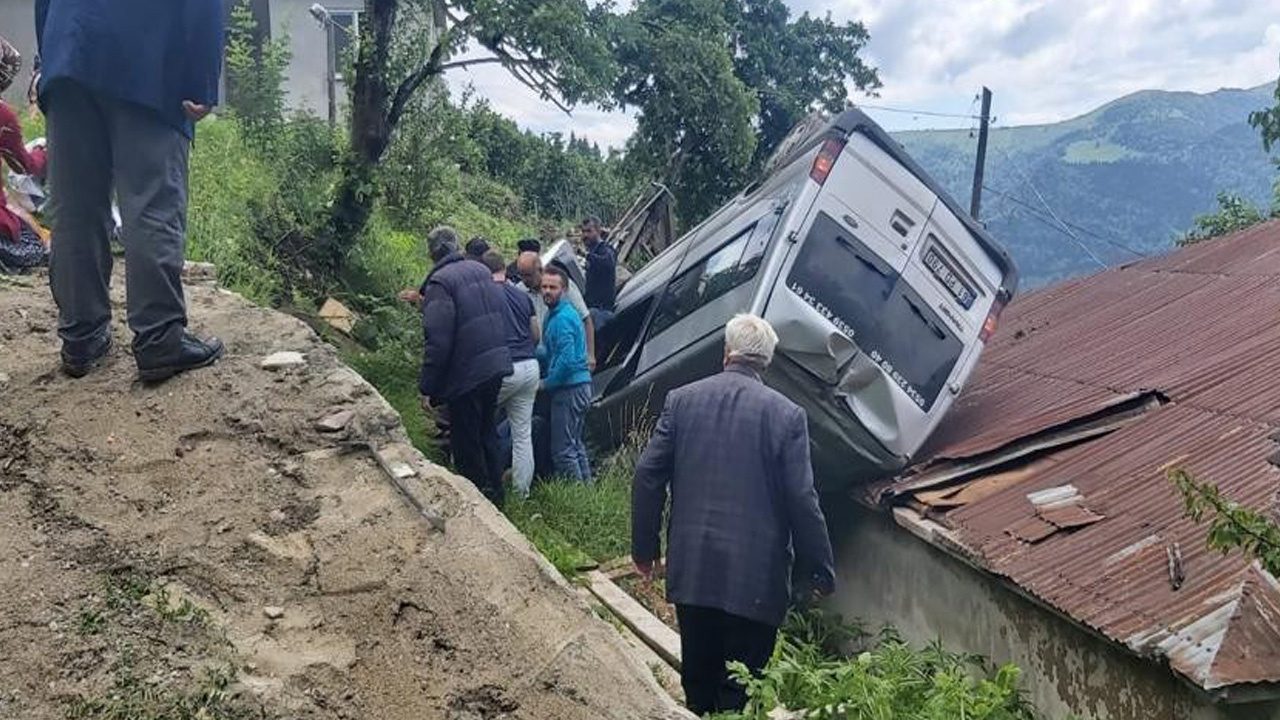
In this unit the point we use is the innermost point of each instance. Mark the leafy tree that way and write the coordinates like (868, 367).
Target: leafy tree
(720, 83)
(256, 69)
(694, 129)
(1234, 213)
(556, 47)
(795, 66)
(1232, 527)
(1267, 122)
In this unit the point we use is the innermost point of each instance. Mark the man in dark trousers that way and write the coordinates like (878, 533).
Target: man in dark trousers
(465, 358)
(122, 83)
(735, 454)
(601, 290)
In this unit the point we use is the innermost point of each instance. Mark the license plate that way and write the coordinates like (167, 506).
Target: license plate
(949, 279)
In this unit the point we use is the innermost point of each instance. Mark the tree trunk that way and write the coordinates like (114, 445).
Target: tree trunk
(370, 133)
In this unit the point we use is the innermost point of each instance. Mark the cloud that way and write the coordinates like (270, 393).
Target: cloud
(1045, 60)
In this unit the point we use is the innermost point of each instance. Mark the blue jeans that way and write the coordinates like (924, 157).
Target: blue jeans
(568, 411)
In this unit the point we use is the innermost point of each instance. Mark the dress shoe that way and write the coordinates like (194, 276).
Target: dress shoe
(77, 366)
(193, 353)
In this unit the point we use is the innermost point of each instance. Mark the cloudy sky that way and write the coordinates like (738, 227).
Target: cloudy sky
(1045, 60)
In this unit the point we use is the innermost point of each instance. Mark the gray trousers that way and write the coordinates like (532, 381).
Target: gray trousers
(96, 144)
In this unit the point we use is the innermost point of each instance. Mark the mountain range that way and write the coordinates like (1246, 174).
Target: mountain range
(1125, 179)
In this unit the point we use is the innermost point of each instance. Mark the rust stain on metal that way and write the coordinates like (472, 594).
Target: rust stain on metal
(1201, 329)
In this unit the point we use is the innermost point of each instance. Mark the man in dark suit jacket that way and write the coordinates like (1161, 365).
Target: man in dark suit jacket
(465, 358)
(121, 84)
(735, 454)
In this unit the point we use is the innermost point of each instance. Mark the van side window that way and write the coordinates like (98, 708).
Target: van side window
(614, 342)
(723, 270)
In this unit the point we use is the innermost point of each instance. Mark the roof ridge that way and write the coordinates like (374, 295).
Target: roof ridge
(1252, 637)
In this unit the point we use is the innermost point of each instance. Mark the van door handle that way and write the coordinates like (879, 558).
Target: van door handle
(901, 223)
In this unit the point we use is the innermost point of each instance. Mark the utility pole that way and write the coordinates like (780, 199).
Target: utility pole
(975, 202)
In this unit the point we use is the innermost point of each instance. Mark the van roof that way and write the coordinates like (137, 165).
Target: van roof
(854, 120)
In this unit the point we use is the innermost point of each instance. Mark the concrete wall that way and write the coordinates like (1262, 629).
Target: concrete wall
(306, 88)
(18, 26)
(889, 576)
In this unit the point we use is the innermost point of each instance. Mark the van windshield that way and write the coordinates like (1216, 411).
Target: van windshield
(867, 300)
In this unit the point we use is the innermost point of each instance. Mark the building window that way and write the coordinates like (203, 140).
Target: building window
(346, 30)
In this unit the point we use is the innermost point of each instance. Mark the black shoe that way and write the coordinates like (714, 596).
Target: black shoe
(193, 353)
(78, 366)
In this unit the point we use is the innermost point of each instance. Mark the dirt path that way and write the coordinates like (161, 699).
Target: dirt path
(202, 547)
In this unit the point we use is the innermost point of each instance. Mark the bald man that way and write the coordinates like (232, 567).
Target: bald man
(529, 265)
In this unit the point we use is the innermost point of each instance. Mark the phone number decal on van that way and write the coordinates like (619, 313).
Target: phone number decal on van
(848, 330)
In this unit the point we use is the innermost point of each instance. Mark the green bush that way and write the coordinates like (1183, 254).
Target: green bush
(228, 180)
(889, 681)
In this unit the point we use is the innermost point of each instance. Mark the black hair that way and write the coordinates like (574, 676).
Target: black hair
(529, 245)
(477, 247)
(558, 272)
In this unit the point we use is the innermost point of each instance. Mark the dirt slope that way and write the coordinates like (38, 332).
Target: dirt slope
(201, 549)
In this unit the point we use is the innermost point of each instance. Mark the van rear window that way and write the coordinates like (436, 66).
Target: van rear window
(866, 298)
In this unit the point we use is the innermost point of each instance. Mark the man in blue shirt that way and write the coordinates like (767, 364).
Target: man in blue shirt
(568, 381)
(122, 84)
(602, 273)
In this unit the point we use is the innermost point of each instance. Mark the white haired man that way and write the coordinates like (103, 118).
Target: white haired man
(735, 455)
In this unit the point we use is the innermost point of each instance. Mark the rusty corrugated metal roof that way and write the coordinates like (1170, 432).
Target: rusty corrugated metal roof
(1200, 327)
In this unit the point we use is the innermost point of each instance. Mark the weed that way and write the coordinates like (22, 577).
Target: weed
(182, 611)
(125, 590)
(131, 698)
(92, 622)
(889, 680)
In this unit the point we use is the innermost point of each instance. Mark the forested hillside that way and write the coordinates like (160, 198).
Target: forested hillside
(1127, 177)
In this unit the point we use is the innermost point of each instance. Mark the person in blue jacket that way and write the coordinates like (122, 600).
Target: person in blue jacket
(567, 381)
(122, 84)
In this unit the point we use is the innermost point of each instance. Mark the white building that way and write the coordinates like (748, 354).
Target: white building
(307, 87)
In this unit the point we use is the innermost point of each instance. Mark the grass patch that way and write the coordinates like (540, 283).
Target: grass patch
(595, 519)
(545, 536)
(131, 698)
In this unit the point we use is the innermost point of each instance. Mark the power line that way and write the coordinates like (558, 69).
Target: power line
(908, 111)
(1032, 209)
(1066, 228)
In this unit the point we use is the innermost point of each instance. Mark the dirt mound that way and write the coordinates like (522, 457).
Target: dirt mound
(207, 548)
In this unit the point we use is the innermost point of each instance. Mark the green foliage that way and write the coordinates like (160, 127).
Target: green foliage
(720, 83)
(132, 698)
(595, 518)
(694, 128)
(1267, 121)
(449, 155)
(229, 181)
(890, 681)
(1232, 526)
(795, 66)
(1234, 213)
(558, 46)
(1165, 178)
(256, 67)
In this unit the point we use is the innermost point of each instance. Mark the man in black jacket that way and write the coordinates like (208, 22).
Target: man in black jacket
(465, 358)
(735, 454)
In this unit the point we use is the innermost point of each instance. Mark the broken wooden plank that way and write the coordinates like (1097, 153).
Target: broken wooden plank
(651, 630)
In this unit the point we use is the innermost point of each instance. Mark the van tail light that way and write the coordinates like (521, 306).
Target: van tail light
(826, 160)
(993, 318)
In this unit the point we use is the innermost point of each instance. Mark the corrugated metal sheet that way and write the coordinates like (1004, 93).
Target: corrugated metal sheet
(1200, 326)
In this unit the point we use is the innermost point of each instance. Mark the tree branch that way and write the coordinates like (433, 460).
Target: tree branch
(467, 63)
(410, 85)
(429, 69)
